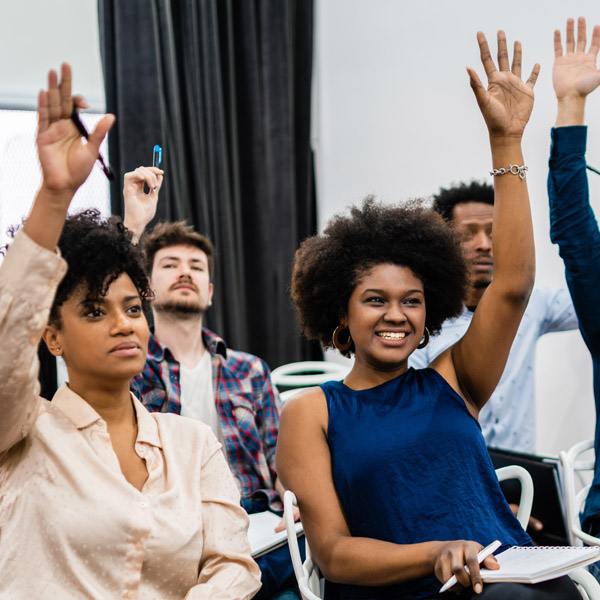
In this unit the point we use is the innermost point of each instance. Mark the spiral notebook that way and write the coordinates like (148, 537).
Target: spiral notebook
(533, 564)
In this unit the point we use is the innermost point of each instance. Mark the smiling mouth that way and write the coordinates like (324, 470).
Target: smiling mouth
(391, 335)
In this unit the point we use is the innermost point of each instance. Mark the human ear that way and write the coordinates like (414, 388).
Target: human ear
(51, 337)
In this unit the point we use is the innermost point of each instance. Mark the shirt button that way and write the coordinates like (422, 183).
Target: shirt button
(143, 504)
(154, 466)
(129, 595)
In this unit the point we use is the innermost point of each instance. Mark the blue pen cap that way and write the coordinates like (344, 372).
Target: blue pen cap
(157, 156)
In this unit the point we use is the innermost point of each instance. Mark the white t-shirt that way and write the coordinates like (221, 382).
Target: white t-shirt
(197, 396)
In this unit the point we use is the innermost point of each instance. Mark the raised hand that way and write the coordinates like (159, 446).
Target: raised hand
(507, 102)
(140, 207)
(574, 73)
(65, 158)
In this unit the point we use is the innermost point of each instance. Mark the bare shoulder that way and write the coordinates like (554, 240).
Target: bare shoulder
(307, 406)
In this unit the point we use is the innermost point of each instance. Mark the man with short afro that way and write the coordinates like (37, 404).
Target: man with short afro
(508, 419)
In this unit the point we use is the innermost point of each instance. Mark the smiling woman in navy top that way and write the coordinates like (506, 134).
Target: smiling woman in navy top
(394, 484)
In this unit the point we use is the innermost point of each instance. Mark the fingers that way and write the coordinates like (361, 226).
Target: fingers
(534, 75)
(570, 35)
(43, 118)
(151, 176)
(558, 50)
(54, 107)
(516, 63)
(535, 524)
(581, 39)
(484, 51)
(280, 526)
(595, 45)
(102, 128)
(80, 102)
(477, 87)
(474, 574)
(502, 51)
(491, 563)
(65, 90)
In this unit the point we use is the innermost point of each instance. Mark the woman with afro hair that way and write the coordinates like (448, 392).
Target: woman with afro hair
(99, 498)
(394, 484)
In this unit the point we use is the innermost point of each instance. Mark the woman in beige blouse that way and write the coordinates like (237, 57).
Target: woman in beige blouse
(98, 497)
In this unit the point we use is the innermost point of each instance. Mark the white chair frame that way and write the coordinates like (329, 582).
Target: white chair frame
(294, 375)
(309, 578)
(571, 465)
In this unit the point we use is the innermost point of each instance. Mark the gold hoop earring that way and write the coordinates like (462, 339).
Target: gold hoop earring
(336, 338)
(425, 339)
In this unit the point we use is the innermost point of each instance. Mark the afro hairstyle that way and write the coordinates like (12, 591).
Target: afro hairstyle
(328, 267)
(447, 199)
(97, 251)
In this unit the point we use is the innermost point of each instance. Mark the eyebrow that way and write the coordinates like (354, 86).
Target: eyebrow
(193, 260)
(376, 291)
(102, 300)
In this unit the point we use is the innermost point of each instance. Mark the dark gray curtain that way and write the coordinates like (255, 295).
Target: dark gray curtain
(224, 87)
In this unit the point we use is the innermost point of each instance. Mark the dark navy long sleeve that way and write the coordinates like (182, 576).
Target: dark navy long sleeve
(574, 228)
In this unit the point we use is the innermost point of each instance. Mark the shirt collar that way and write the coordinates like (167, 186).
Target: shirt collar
(215, 345)
(82, 415)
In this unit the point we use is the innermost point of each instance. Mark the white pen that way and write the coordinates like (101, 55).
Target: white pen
(481, 556)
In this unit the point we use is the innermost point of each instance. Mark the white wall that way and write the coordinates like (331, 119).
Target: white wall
(37, 35)
(395, 116)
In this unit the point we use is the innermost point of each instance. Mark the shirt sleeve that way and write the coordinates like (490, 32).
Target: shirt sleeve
(574, 228)
(29, 276)
(419, 359)
(227, 570)
(270, 407)
(559, 311)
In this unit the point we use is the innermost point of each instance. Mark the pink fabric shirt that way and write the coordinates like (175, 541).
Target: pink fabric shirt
(71, 525)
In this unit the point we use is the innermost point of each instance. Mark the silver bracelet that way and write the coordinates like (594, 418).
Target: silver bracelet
(513, 170)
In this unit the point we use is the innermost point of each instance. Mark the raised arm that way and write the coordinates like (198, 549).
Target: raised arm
(31, 269)
(474, 365)
(572, 223)
(140, 207)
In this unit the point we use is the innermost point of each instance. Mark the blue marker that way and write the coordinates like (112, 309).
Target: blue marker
(157, 156)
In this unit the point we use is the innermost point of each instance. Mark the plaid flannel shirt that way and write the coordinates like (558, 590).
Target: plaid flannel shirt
(247, 404)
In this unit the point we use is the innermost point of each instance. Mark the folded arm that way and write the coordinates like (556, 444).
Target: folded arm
(227, 571)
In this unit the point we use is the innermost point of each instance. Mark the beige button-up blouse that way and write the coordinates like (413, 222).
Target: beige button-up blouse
(71, 525)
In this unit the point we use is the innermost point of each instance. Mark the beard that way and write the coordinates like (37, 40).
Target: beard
(180, 309)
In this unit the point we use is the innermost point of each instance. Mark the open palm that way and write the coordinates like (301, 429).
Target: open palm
(507, 102)
(66, 160)
(575, 72)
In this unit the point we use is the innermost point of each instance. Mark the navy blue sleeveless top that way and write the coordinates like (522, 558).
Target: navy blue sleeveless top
(410, 465)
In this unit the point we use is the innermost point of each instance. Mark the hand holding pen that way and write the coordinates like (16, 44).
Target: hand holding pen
(84, 133)
(65, 160)
(481, 556)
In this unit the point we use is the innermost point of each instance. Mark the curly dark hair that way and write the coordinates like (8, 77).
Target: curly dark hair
(445, 201)
(328, 267)
(97, 251)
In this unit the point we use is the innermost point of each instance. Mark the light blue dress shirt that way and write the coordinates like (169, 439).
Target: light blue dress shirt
(508, 419)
